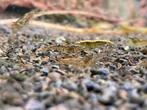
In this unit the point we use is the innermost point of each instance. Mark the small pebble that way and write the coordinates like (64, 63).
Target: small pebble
(108, 97)
(45, 71)
(60, 40)
(145, 88)
(54, 75)
(112, 67)
(71, 86)
(91, 86)
(93, 98)
(11, 108)
(100, 71)
(38, 87)
(55, 67)
(33, 104)
(56, 84)
(126, 48)
(59, 107)
(135, 98)
(111, 108)
(128, 86)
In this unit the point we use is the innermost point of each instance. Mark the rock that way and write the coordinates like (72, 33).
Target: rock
(129, 106)
(59, 107)
(60, 40)
(11, 108)
(5, 29)
(107, 99)
(45, 71)
(56, 84)
(91, 86)
(38, 87)
(135, 98)
(71, 86)
(55, 67)
(109, 96)
(54, 76)
(128, 86)
(123, 94)
(111, 108)
(100, 71)
(93, 98)
(145, 88)
(112, 67)
(9, 95)
(45, 94)
(33, 104)
(13, 100)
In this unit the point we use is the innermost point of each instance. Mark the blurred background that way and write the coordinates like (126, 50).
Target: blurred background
(134, 11)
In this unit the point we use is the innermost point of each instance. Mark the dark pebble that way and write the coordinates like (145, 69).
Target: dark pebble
(107, 99)
(92, 86)
(55, 67)
(112, 67)
(145, 88)
(33, 49)
(45, 71)
(109, 95)
(44, 62)
(135, 98)
(100, 71)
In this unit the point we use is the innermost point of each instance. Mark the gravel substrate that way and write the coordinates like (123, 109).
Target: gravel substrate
(32, 78)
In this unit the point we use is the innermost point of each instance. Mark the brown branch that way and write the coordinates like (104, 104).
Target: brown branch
(81, 13)
(41, 24)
